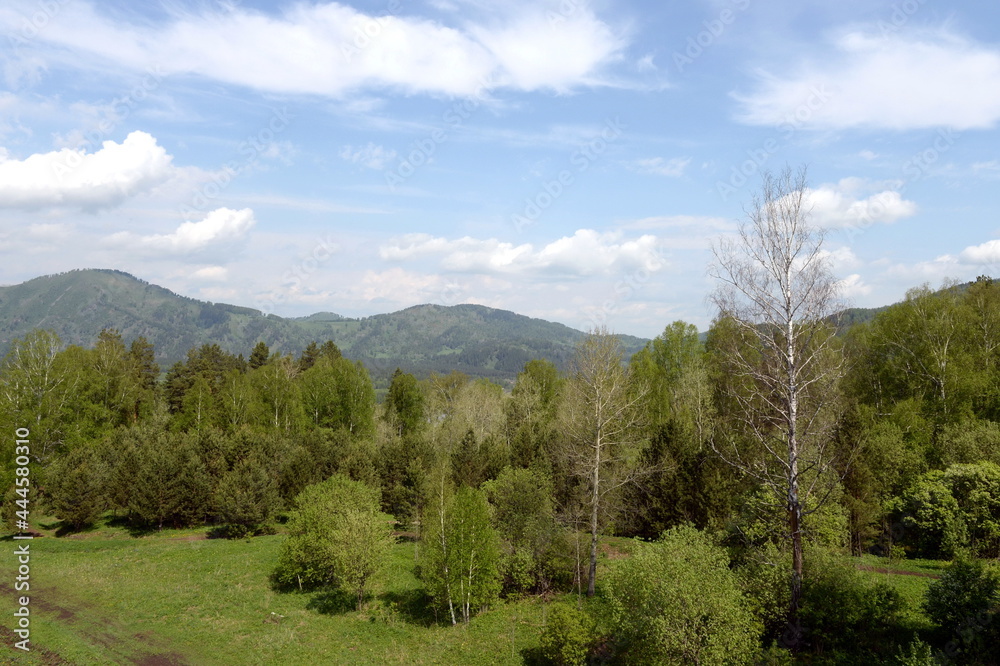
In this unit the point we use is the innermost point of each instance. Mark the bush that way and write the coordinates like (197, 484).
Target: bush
(568, 635)
(965, 604)
(843, 610)
(337, 536)
(677, 602)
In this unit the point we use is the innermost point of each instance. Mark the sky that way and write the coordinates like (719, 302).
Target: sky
(569, 160)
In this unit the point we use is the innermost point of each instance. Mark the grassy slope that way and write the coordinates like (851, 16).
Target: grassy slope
(108, 598)
(104, 597)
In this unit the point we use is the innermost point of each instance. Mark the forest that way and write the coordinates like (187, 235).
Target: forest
(749, 493)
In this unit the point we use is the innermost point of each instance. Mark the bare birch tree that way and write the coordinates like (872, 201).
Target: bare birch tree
(776, 290)
(602, 423)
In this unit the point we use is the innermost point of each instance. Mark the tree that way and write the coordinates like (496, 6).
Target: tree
(776, 291)
(676, 601)
(461, 555)
(76, 487)
(405, 403)
(601, 421)
(36, 388)
(246, 497)
(259, 355)
(535, 548)
(337, 536)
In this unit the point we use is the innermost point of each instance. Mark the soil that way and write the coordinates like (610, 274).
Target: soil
(42, 601)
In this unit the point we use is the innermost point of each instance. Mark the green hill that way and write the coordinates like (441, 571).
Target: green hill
(473, 339)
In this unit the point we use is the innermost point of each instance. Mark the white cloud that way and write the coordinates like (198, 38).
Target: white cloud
(586, 252)
(900, 81)
(842, 259)
(986, 253)
(332, 49)
(221, 227)
(844, 205)
(535, 51)
(673, 167)
(74, 178)
(371, 156)
(853, 286)
(868, 155)
(213, 273)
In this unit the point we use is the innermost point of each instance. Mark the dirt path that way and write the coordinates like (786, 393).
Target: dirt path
(864, 567)
(84, 622)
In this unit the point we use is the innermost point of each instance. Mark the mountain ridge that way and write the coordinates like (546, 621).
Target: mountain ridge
(474, 339)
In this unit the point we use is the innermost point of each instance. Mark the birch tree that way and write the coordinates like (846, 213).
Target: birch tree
(601, 421)
(776, 290)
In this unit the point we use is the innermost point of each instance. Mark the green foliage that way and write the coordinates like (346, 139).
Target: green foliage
(947, 512)
(917, 653)
(965, 604)
(246, 497)
(568, 635)
(461, 552)
(676, 601)
(405, 403)
(535, 548)
(170, 484)
(76, 487)
(337, 536)
(844, 611)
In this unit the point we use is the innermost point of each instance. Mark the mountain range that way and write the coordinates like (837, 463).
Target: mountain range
(476, 340)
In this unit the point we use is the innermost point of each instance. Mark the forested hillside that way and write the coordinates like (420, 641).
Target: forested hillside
(479, 341)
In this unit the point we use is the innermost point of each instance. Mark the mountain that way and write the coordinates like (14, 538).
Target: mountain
(473, 339)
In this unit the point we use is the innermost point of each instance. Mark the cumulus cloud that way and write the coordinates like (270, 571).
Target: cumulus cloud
(899, 81)
(332, 49)
(853, 286)
(857, 203)
(221, 227)
(658, 166)
(986, 253)
(371, 156)
(75, 178)
(586, 252)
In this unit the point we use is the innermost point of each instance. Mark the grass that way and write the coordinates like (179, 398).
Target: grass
(910, 578)
(106, 597)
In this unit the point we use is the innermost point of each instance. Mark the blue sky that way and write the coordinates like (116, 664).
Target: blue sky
(567, 160)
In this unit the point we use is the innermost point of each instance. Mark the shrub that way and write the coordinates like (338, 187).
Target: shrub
(676, 601)
(843, 610)
(567, 636)
(337, 536)
(965, 604)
